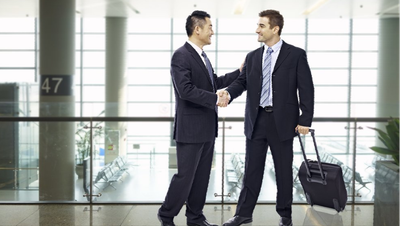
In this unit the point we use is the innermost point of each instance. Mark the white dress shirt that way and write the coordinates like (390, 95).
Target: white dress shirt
(274, 56)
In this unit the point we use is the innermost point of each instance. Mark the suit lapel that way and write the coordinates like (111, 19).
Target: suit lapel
(285, 50)
(199, 61)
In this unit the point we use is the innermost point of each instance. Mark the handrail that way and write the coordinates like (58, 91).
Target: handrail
(170, 119)
(353, 120)
(83, 119)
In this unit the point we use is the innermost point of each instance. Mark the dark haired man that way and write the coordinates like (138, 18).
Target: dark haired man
(278, 81)
(196, 122)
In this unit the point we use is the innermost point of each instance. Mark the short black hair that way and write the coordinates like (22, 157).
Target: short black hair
(197, 18)
(275, 18)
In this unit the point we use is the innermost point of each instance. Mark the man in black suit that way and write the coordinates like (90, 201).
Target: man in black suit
(196, 122)
(279, 84)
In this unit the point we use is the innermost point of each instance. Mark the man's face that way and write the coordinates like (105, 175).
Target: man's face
(264, 31)
(206, 32)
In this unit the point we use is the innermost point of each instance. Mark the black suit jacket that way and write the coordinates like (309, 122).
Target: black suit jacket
(196, 119)
(292, 86)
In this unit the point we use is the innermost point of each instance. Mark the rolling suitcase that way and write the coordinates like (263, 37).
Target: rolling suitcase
(322, 183)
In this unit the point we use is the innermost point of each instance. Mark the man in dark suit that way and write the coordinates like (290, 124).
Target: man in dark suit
(278, 81)
(196, 122)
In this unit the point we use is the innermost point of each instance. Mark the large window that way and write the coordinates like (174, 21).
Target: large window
(342, 54)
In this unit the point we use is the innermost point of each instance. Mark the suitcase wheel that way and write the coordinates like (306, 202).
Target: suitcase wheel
(308, 200)
(336, 205)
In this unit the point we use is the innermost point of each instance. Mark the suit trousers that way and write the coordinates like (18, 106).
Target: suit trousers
(265, 135)
(190, 183)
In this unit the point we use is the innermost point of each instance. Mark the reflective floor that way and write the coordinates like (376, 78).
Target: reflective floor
(147, 181)
(145, 215)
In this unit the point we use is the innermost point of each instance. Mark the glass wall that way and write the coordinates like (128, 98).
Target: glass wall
(142, 175)
(342, 53)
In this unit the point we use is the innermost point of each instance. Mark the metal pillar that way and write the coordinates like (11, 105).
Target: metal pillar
(388, 68)
(116, 72)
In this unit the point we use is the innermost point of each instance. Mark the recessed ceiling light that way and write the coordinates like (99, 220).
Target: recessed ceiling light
(314, 7)
(239, 7)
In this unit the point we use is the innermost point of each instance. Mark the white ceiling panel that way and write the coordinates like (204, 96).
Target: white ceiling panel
(217, 8)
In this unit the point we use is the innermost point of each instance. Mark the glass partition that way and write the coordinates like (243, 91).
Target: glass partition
(118, 160)
(18, 161)
(366, 159)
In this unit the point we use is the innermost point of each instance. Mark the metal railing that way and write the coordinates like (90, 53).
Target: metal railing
(352, 126)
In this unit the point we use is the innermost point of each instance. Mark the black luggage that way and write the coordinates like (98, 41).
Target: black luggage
(322, 183)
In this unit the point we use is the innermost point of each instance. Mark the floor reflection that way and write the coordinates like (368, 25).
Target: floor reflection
(145, 215)
(315, 217)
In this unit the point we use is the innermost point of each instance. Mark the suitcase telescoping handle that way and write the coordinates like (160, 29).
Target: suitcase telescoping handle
(323, 181)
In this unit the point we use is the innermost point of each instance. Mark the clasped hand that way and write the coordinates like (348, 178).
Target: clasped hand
(223, 98)
(302, 129)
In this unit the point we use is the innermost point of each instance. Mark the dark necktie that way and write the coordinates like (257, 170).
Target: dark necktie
(209, 68)
(210, 72)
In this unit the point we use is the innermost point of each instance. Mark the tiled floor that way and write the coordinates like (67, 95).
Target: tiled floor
(145, 215)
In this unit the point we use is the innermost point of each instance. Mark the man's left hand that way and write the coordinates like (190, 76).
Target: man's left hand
(302, 129)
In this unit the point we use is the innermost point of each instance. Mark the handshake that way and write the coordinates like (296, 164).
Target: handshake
(223, 98)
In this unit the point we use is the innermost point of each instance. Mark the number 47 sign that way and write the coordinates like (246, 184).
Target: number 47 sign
(56, 85)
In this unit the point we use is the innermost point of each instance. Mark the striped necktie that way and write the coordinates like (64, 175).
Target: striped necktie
(266, 82)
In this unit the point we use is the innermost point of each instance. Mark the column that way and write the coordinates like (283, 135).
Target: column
(57, 67)
(116, 72)
(388, 68)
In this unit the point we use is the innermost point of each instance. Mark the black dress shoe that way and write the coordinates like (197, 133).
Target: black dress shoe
(165, 223)
(204, 223)
(237, 220)
(285, 222)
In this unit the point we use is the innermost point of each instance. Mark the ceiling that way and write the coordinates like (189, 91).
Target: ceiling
(216, 8)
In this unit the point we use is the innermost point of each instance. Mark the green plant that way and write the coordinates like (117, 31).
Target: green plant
(82, 140)
(390, 139)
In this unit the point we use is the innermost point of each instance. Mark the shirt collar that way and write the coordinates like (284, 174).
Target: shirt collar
(195, 47)
(275, 47)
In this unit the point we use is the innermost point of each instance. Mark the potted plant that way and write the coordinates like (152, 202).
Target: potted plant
(390, 139)
(82, 140)
(386, 203)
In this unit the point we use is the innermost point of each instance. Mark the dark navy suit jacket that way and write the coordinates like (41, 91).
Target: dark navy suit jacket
(292, 86)
(196, 118)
